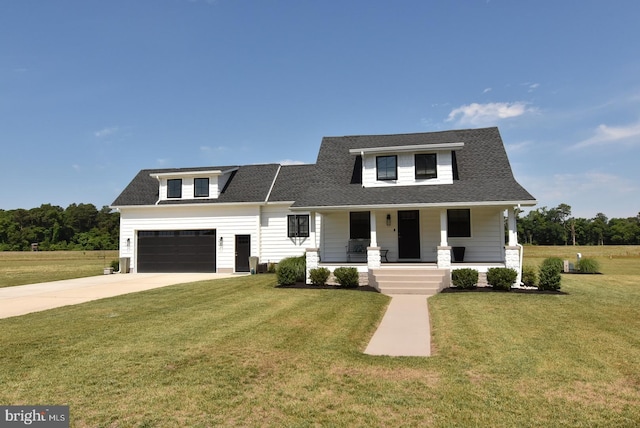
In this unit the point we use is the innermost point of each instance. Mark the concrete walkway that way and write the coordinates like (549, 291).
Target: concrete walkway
(24, 299)
(405, 330)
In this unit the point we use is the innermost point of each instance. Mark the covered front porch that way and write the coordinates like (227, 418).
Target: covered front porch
(428, 238)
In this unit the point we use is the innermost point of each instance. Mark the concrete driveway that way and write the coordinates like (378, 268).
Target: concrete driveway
(24, 299)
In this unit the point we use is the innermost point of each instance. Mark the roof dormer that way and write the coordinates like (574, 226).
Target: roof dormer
(193, 184)
(411, 165)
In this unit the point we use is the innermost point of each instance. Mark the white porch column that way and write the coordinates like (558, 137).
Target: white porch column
(512, 255)
(374, 229)
(313, 240)
(513, 227)
(373, 257)
(444, 250)
(444, 228)
(313, 261)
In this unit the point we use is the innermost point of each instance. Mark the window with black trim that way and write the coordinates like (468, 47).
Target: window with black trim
(426, 165)
(298, 226)
(459, 223)
(359, 225)
(201, 187)
(387, 167)
(174, 188)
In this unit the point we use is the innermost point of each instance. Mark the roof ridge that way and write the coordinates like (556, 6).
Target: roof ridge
(412, 133)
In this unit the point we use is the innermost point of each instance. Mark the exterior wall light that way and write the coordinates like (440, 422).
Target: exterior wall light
(388, 219)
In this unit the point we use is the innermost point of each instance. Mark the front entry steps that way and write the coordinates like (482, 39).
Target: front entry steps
(409, 280)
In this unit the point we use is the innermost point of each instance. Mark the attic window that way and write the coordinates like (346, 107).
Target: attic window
(174, 188)
(387, 167)
(201, 187)
(426, 166)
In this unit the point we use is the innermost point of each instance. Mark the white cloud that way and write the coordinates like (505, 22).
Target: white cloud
(76, 167)
(292, 162)
(604, 134)
(518, 147)
(487, 90)
(105, 132)
(483, 114)
(533, 86)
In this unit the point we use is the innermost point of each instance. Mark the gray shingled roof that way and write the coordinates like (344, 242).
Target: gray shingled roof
(483, 168)
(251, 183)
(292, 182)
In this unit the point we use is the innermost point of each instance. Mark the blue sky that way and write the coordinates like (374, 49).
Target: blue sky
(93, 91)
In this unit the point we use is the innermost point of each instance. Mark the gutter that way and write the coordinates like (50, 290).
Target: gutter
(415, 205)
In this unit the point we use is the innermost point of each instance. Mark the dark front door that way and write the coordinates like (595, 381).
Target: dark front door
(243, 251)
(409, 234)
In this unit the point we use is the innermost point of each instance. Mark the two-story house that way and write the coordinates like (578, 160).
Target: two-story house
(371, 201)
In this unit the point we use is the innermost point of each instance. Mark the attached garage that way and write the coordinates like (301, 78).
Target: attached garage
(177, 251)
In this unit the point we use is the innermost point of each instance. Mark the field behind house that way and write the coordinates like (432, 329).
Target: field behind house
(29, 267)
(239, 352)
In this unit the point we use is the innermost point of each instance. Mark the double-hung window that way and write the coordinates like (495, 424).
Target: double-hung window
(459, 223)
(174, 188)
(387, 167)
(298, 226)
(426, 166)
(201, 187)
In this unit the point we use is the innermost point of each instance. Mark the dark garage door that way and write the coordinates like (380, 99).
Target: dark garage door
(177, 251)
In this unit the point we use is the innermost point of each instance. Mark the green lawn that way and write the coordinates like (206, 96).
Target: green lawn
(26, 267)
(239, 352)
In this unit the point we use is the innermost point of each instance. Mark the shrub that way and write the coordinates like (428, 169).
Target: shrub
(271, 267)
(555, 262)
(319, 276)
(501, 278)
(464, 278)
(115, 264)
(291, 270)
(529, 276)
(347, 276)
(550, 274)
(587, 265)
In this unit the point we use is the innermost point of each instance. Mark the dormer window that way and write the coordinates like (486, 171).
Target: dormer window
(201, 187)
(426, 166)
(174, 188)
(387, 167)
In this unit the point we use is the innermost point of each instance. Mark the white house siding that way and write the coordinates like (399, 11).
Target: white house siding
(275, 244)
(485, 245)
(487, 236)
(406, 170)
(228, 221)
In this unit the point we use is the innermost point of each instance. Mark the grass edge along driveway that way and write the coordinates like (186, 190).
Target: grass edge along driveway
(241, 352)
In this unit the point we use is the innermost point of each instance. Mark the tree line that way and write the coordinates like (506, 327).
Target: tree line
(555, 226)
(77, 227)
(84, 227)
